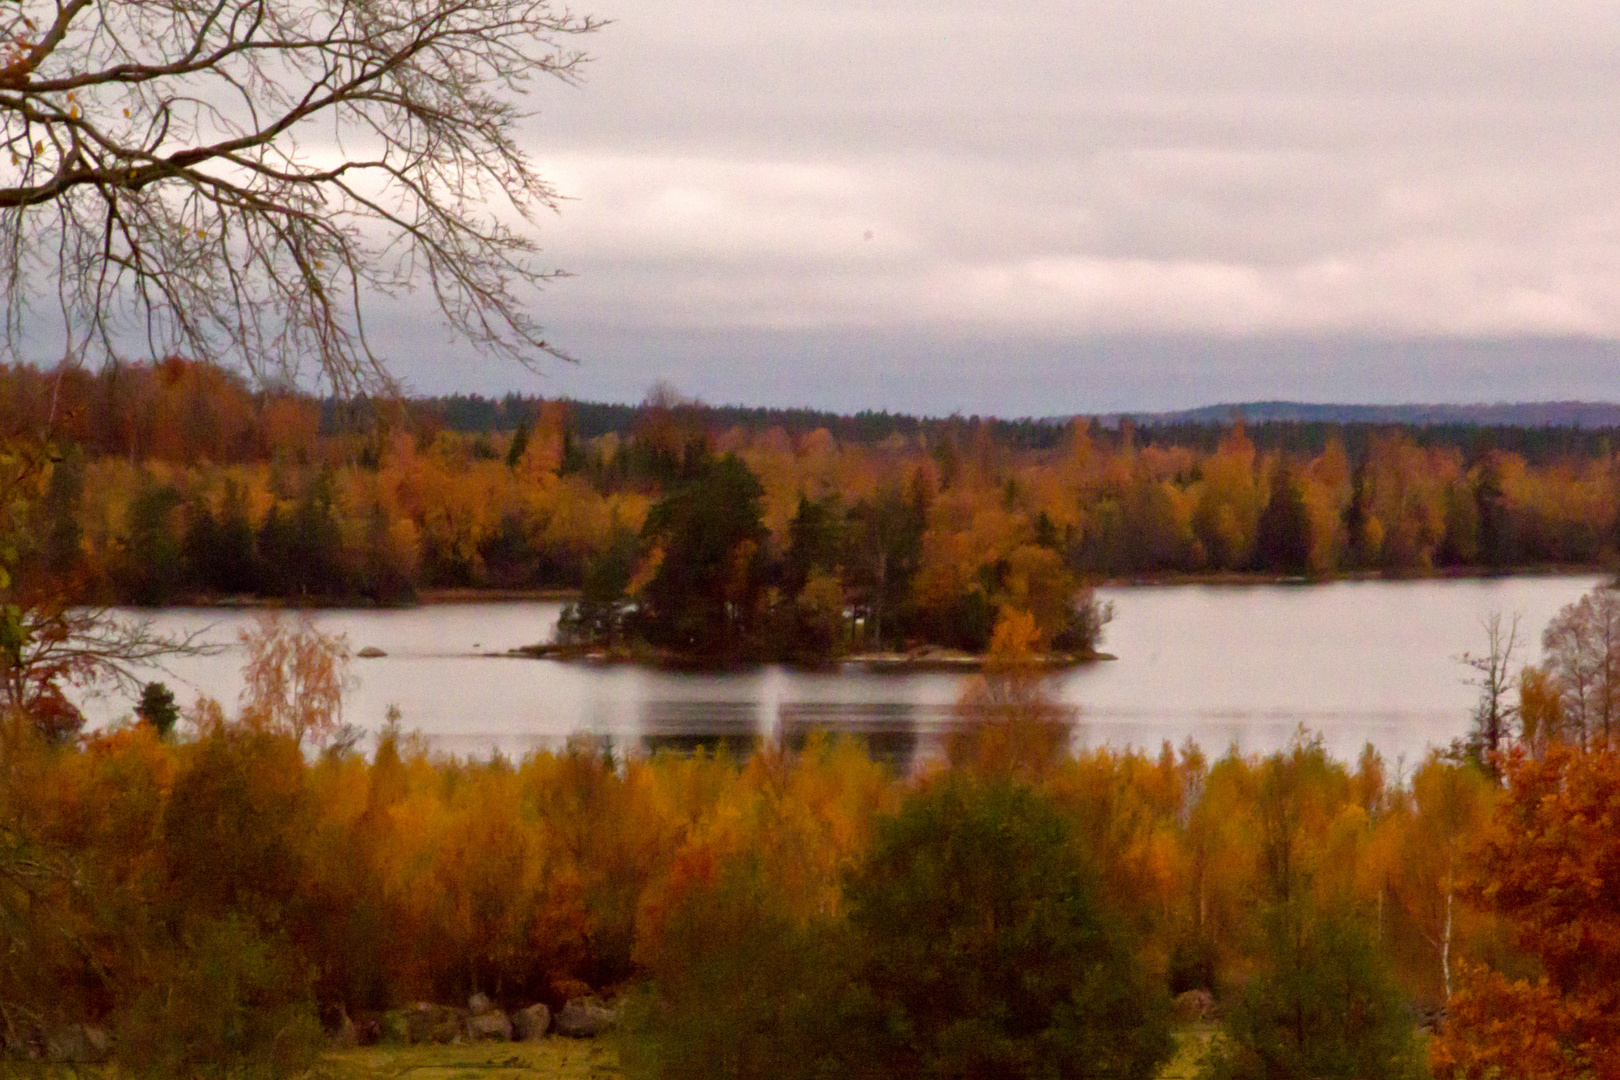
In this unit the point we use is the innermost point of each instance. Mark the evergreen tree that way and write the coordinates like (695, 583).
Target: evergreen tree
(158, 708)
(519, 444)
(1491, 510)
(63, 534)
(986, 949)
(1283, 537)
(153, 565)
(704, 598)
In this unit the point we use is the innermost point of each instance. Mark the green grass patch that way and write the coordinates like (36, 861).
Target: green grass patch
(1192, 1043)
(551, 1059)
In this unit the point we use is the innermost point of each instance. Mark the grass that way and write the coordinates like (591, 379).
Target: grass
(1192, 1042)
(568, 1059)
(551, 1059)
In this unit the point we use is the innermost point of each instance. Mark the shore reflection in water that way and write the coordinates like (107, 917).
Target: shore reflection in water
(1358, 662)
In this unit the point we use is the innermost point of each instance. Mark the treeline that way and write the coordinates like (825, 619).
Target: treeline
(177, 410)
(209, 891)
(173, 482)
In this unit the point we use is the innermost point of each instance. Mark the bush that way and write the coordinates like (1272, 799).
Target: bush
(230, 1001)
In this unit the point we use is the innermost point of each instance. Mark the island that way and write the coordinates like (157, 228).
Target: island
(702, 584)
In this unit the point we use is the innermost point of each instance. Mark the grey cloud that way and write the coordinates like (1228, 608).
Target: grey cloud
(1056, 173)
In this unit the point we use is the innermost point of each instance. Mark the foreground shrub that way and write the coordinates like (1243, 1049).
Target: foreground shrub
(740, 987)
(1326, 1006)
(230, 1001)
(983, 948)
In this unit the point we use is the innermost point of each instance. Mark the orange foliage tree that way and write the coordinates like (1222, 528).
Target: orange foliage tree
(1551, 866)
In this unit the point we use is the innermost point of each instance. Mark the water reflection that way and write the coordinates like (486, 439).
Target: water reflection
(893, 732)
(1357, 662)
(731, 728)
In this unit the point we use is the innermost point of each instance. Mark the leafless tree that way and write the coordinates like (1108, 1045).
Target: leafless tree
(1493, 677)
(57, 647)
(231, 179)
(1582, 646)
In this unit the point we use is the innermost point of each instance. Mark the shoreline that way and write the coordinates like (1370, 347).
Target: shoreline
(1163, 579)
(1443, 573)
(923, 658)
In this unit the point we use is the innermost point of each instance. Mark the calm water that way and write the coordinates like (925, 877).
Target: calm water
(1246, 665)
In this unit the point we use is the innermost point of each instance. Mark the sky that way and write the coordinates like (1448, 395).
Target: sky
(1046, 207)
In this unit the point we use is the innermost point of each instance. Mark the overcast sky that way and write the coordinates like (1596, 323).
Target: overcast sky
(1056, 206)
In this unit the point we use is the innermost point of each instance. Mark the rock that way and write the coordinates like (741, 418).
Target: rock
(1193, 1007)
(584, 1018)
(370, 652)
(427, 1023)
(479, 1004)
(395, 1028)
(490, 1025)
(345, 1036)
(77, 1044)
(528, 1025)
(368, 1027)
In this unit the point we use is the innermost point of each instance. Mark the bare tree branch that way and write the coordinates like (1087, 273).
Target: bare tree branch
(233, 178)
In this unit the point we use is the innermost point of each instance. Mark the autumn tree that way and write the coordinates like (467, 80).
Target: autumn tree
(53, 648)
(296, 676)
(1551, 867)
(1448, 806)
(1325, 1002)
(1008, 723)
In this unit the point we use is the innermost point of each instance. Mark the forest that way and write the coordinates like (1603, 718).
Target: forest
(724, 534)
(222, 888)
(215, 888)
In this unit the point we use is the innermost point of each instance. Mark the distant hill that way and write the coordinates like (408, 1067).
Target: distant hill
(1542, 414)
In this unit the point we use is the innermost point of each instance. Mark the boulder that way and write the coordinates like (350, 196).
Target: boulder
(489, 1025)
(1193, 1007)
(528, 1025)
(344, 1036)
(395, 1027)
(479, 1004)
(77, 1044)
(584, 1018)
(368, 1027)
(427, 1023)
(22, 1044)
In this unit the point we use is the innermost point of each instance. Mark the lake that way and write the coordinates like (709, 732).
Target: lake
(1223, 665)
